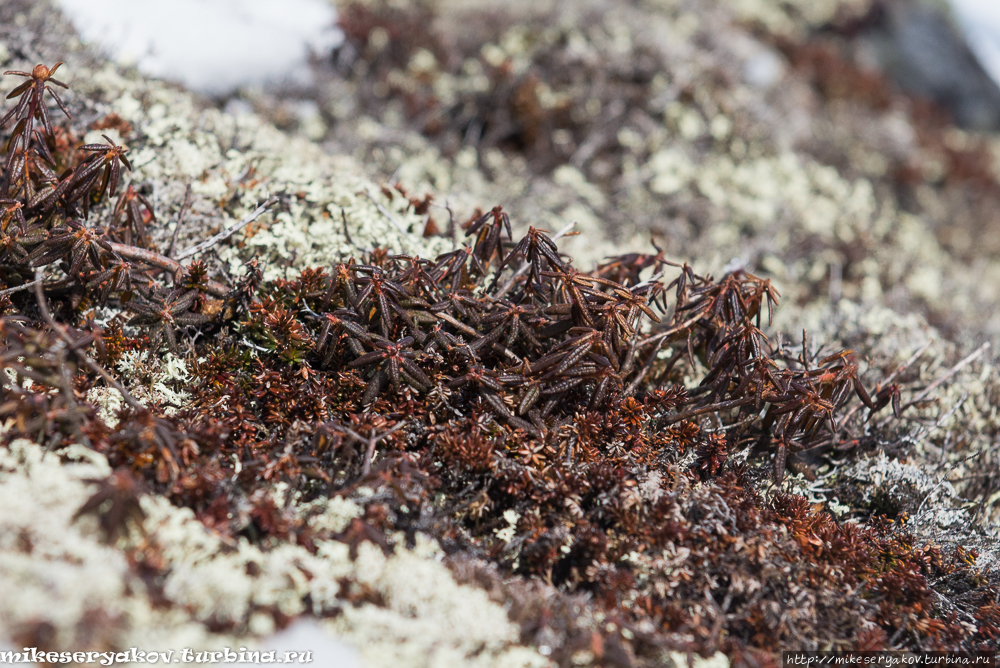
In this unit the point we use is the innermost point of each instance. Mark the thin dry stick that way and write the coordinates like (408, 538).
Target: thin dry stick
(18, 288)
(524, 267)
(372, 441)
(225, 234)
(971, 357)
(465, 329)
(451, 225)
(59, 329)
(735, 425)
(644, 370)
(670, 332)
(713, 408)
(163, 262)
(906, 365)
(347, 234)
(891, 377)
(388, 214)
(457, 324)
(180, 220)
(633, 345)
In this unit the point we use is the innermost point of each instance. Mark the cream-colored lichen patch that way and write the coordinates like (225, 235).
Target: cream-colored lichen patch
(226, 583)
(108, 402)
(329, 209)
(330, 514)
(159, 381)
(56, 572)
(428, 620)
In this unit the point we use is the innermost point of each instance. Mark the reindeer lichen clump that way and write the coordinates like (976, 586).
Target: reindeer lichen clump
(599, 409)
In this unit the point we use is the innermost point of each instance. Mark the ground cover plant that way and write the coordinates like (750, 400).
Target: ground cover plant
(619, 431)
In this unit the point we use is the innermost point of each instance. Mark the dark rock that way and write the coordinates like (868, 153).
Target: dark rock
(925, 54)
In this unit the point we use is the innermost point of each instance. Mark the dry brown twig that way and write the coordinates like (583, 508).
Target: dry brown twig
(372, 441)
(388, 214)
(60, 330)
(713, 408)
(18, 288)
(633, 386)
(176, 268)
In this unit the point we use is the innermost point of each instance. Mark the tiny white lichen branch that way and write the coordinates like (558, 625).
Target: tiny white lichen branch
(180, 219)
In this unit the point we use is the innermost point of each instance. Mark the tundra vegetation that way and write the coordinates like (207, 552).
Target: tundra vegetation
(304, 408)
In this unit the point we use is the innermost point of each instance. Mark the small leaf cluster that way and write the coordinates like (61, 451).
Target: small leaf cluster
(48, 190)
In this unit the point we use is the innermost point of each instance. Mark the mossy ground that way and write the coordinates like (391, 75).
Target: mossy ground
(872, 216)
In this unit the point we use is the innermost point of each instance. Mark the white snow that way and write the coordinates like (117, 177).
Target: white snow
(980, 19)
(215, 46)
(306, 635)
(210, 46)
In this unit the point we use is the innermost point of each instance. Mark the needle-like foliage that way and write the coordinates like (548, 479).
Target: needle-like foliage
(570, 425)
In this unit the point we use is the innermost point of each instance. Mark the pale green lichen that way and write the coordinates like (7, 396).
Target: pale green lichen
(237, 162)
(428, 620)
(60, 574)
(108, 402)
(211, 578)
(56, 572)
(717, 157)
(156, 381)
(332, 514)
